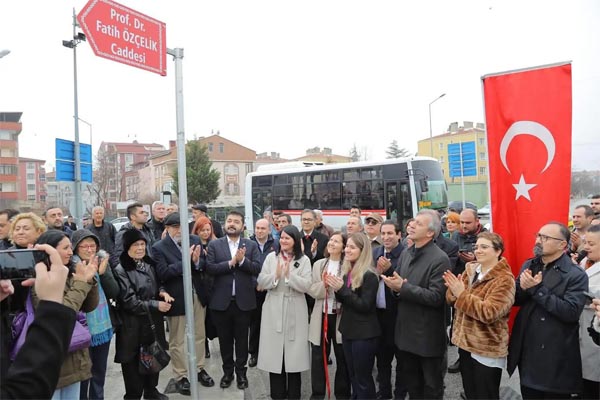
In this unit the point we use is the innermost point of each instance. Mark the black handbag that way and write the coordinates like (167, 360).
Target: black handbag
(153, 357)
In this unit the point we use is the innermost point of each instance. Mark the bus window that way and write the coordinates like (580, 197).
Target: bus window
(261, 202)
(282, 194)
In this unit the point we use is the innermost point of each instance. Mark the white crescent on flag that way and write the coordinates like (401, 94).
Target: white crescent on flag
(531, 128)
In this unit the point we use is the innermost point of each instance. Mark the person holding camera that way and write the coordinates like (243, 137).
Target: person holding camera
(48, 336)
(85, 247)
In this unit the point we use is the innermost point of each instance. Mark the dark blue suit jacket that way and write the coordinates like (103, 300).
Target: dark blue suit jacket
(244, 274)
(387, 316)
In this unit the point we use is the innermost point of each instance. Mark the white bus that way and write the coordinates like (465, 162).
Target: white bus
(395, 188)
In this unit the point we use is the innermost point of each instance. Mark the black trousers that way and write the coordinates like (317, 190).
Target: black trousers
(423, 377)
(360, 358)
(232, 329)
(137, 384)
(591, 389)
(479, 381)
(285, 385)
(255, 318)
(386, 351)
(530, 393)
(341, 386)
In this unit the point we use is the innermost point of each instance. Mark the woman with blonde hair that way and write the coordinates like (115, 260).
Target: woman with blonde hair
(482, 298)
(357, 293)
(25, 229)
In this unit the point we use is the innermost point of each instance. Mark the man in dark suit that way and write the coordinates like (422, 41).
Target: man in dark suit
(313, 244)
(169, 270)
(418, 285)
(385, 258)
(234, 262)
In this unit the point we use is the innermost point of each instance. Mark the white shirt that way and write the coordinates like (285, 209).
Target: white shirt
(333, 268)
(233, 248)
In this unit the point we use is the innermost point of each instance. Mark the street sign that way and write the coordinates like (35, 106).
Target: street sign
(121, 34)
(65, 171)
(65, 161)
(462, 159)
(65, 150)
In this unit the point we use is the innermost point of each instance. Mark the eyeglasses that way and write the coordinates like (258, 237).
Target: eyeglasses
(544, 238)
(371, 222)
(482, 246)
(88, 246)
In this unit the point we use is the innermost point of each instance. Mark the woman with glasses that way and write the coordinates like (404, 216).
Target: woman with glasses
(85, 247)
(482, 297)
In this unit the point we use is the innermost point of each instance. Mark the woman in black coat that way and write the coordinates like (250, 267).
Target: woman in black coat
(139, 294)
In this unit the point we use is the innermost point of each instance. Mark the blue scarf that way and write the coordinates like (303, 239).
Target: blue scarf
(99, 320)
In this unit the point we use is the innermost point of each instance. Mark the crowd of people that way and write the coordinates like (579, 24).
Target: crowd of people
(283, 298)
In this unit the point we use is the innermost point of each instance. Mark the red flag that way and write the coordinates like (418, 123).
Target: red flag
(528, 117)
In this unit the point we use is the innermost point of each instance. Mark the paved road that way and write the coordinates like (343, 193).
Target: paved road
(259, 382)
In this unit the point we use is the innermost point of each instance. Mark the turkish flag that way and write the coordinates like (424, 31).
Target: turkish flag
(528, 117)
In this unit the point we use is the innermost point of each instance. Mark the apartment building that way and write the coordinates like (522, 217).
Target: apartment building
(10, 128)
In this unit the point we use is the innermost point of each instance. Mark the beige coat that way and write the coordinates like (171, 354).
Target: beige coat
(80, 296)
(590, 352)
(284, 322)
(317, 291)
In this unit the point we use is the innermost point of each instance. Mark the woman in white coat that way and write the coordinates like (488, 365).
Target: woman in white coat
(590, 354)
(284, 349)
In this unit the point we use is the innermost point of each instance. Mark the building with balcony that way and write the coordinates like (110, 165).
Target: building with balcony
(10, 128)
(32, 182)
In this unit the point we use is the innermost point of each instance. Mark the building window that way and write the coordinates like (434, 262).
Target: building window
(30, 176)
(210, 147)
(248, 168)
(30, 165)
(441, 159)
(482, 170)
(42, 198)
(221, 147)
(482, 141)
(6, 169)
(482, 156)
(441, 146)
(42, 177)
(31, 186)
(232, 189)
(31, 197)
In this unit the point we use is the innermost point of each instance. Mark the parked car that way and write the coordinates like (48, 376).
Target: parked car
(119, 222)
(484, 212)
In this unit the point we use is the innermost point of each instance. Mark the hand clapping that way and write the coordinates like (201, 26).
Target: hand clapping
(528, 281)
(454, 283)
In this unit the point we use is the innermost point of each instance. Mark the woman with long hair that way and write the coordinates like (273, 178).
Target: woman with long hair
(357, 293)
(140, 300)
(284, 351)
(204, 229)
(86, 246)
(324, 322)
(482, 298)
(81, 294)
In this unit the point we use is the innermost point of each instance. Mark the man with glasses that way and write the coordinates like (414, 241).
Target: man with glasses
(545, 339)
(373, 223)
(313, 242)
(169, 270)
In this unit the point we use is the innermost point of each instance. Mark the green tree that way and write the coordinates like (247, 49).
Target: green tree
(394, 151)
(202, 179)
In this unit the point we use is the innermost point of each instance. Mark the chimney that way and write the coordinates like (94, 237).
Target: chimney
(453, 128)
(172, 144)
(480, 125)
(468, 125)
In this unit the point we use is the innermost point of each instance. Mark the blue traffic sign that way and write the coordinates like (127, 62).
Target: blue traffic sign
(462, 159)
(65, 171)
(65, 150)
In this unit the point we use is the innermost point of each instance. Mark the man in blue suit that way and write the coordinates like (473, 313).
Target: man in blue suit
(169, 269)
(234, 263)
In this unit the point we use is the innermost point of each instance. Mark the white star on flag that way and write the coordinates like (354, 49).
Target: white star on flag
(523, 188)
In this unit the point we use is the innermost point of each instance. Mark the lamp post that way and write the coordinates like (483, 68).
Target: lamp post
(78, 37)
(430, 130)
(90, 125)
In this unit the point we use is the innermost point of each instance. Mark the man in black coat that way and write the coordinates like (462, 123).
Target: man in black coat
(420, 325)
(157, 221)
(313, 244)
(169, 270)
(200, 210)
(105, 231)
(234, 262)
(385, 258)
(545, 338)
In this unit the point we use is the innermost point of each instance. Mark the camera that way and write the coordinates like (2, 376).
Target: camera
(20, 264)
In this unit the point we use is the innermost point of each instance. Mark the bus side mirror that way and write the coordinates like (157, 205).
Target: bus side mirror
(424, 185)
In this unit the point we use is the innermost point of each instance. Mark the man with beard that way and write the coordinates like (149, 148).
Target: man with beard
(545, 339)
(235, 263)
(169, 270)
(595, 204)
(54, 220)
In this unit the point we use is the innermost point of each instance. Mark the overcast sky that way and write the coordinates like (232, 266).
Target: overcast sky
(285, 76)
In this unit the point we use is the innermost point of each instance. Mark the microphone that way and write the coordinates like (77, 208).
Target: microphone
(101, 254)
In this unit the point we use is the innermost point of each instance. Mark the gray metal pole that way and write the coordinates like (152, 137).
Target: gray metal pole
(430, 129)
(185, 231)
(78, 199)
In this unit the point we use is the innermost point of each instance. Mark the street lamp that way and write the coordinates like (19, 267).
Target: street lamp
(430, 131)
(4, 53)
(78, 37)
